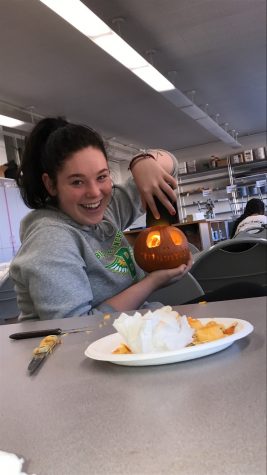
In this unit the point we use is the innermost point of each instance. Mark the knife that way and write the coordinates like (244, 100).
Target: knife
(51, 331)
(45, 347)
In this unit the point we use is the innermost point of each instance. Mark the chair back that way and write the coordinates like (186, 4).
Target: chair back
(194, 249)
(258, 233)
(178, 293)
(234, 263)
(8, 299)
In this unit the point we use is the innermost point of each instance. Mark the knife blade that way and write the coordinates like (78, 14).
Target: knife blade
(50, 331)
(35, 363)
(40, 353)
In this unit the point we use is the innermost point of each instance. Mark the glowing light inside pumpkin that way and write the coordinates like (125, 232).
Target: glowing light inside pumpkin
(175, 237)
(153, 239)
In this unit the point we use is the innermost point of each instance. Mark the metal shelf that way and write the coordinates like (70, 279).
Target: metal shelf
(222, 172)
(244, 174)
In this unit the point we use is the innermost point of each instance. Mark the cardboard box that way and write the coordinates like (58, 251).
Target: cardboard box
(198, 216)
(222, 162)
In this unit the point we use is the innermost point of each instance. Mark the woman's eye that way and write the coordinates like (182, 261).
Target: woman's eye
(102, 177)
(77, 182)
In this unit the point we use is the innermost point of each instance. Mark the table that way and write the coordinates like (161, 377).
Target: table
(77, 416)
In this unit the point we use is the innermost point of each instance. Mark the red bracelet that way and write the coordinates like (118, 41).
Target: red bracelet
(137, 158)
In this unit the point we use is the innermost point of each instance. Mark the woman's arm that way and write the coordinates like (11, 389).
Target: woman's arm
(133, 297)
(154, 178)
(50, 278)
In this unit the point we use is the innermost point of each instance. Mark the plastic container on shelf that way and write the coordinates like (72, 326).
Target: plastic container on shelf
(253, 190)
(182, 168)
(263, 189)
(191, 166)
(242, 192)
(248, 156)
(259, 153)
(237, 158)
(213, 161)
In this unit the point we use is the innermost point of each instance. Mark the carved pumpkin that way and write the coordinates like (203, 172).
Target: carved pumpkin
(161, 247)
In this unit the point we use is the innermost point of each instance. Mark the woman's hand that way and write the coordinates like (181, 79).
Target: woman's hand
(153, 179)
(135, 295)
(165, 277)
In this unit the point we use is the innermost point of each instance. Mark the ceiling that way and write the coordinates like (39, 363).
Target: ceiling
(215, 47)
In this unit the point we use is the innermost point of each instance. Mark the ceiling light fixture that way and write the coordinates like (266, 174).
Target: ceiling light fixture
(10, 122)
(153, 78)
(82, 18)
(79, 16)
(114, 45)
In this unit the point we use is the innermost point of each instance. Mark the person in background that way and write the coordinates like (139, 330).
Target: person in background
(253, 217)
(11, 170)
(74, 258)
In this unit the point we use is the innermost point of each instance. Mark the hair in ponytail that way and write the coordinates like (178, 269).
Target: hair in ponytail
(50, 143)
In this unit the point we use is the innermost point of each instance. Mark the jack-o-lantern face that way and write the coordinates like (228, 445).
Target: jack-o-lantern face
(161, 247)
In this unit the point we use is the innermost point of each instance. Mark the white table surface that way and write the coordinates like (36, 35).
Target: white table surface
(77, 416)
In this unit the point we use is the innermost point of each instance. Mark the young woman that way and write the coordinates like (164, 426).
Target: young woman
(74, 259)
(253, 217)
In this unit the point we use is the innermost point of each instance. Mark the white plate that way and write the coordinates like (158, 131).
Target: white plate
(102, 349)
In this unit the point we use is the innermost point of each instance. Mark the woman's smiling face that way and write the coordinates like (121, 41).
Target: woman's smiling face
(83, 188)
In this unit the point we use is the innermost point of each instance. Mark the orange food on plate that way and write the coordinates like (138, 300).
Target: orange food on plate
(230, 330)
(194, 323)
(203, 333)
(209, 333)
(122, 350)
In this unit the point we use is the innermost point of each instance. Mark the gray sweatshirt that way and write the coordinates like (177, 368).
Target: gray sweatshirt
(65, 269)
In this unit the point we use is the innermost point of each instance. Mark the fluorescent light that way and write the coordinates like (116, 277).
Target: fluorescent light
(215, 129)
(236, 145)
(177, 98)
(194, 112)
(10, 122)
(153, 78)
(114, 45)
(207, 122)
(79, 16)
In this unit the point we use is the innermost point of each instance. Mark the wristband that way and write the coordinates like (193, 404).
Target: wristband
(139, 157)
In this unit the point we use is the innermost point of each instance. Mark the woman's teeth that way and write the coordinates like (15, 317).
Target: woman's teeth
(91, 205)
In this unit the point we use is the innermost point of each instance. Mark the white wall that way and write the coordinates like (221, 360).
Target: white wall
(12, 210)
(3, 157)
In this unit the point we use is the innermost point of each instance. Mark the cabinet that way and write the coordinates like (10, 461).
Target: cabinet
(247, 179)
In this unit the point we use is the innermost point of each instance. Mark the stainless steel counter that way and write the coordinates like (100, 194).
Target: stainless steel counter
(81, 417)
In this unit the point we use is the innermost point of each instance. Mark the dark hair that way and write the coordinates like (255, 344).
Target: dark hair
(253, 206)
(50, 143)
(11, 170)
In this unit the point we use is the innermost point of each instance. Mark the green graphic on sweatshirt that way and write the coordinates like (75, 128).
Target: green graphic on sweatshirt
(122, 262)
